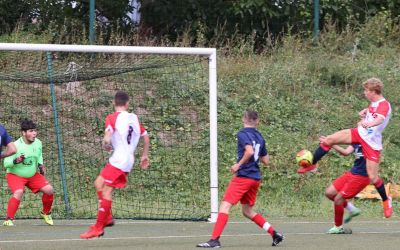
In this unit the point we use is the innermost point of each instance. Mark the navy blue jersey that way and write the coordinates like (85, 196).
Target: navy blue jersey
(360, 164)
(250, 136)
(5, 139)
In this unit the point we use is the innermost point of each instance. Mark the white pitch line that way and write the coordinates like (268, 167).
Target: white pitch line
(176, 236)
(230, 222)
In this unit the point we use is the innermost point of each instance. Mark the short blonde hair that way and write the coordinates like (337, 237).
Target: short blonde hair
(374, 84)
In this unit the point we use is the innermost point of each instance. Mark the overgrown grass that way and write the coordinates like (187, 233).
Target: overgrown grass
(302, 92)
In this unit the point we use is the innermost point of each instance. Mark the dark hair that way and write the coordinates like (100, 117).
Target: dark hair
(121, 98)
(27, 124)
(251, 115)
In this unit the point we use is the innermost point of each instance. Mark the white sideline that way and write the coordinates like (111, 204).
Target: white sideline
(277, 221)
(176, 236)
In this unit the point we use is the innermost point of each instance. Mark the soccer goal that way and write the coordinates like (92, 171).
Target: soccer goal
(68, 89)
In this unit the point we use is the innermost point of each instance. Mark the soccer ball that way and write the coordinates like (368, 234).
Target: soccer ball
(304, 158)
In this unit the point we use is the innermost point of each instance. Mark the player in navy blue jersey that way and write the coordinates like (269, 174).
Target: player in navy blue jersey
(6, 141)
(347, 186)
(245, 182)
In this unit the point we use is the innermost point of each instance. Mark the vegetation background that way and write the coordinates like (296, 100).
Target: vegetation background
(267, 62)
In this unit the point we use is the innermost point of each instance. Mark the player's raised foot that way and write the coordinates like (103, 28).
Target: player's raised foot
(210, 244)
(47, 218)
(339, 230)
(387, 207)
(352, 214)
(92, 232)
(8, 223)
(277, 238)
(311, 168)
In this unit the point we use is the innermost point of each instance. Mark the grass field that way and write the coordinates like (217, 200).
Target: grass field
(302, 233)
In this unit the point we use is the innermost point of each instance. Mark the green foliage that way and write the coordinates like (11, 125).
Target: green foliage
(303, 92)
(251, 25)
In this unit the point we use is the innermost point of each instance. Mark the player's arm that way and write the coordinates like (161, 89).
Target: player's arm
(9, 161)
(248, 153)
(41, 166)
(13, 159)
(144, 160)
(106, 143)
(363, 113)
(10, 150)
(265, 160)
(343, 151)
(375, 122)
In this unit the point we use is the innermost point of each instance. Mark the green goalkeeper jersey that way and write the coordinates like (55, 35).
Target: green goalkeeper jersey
(33, 158)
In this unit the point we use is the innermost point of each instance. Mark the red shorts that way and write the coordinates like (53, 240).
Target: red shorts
(349, 185)
(114, 177)
(242, 189)
(34, 183)
(368, 152)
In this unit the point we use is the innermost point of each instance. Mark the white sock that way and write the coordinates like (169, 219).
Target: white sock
(350, 207)
(266, 226)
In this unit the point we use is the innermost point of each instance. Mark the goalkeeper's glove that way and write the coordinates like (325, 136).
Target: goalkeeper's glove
(19, 159)
(42, 169)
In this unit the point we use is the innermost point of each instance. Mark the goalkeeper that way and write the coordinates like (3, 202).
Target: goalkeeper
(22, 170)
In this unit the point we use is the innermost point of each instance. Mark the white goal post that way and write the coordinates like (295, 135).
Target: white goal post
(211, 53)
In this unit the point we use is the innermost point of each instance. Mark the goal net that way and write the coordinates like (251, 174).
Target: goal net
(68, 91)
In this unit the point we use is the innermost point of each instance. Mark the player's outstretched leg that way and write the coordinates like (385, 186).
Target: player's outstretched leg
(318, 154)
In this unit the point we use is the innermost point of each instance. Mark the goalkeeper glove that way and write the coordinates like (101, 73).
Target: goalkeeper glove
(42, 169)
(19, 159)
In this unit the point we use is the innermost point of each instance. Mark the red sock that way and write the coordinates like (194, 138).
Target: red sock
(12, 208)
(100, 195)
(47, 200)
(103, 212)
(261, 222)
(219, 225)
(339, 211)
(325, 147)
